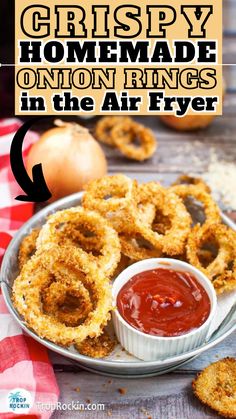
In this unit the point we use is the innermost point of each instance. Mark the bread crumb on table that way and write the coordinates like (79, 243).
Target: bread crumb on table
(145, 412)
(122, 390)
(221, 177)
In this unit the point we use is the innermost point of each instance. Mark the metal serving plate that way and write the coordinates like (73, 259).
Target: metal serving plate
(118, 368)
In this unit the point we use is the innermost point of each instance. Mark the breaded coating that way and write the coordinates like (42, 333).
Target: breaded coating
(222, 269)
(191, 180)
(27, 247)
(97, 347)
(215, 386)
(212, 212)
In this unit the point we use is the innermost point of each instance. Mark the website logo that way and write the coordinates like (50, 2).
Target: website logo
(19, 401)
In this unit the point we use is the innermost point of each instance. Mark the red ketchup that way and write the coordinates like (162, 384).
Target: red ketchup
(164, 302)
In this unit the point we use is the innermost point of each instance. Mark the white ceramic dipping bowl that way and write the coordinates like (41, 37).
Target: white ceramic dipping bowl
(149, 347)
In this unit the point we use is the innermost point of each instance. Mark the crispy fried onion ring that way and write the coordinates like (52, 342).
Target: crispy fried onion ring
(136, 132)
(97, 233)
(110, 193)
(215, 386)
(97, 347)
(27, 247)
(104, 126)
(170, 206)
(212, 213)
(69, 303)
(143, 209)
(118, 198)
(110, 196)
(39, 273)
(191, 180)
(124, 220)
(222, 269)
(135, 247)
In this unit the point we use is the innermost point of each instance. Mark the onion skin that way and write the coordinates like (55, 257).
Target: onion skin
(188, 122)
(70, 158)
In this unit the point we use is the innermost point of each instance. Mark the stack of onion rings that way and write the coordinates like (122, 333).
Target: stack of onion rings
(63, 290)
(153, 221)
(122, 133)
(35, 277)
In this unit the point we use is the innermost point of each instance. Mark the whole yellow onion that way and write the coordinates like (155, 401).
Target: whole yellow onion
(70, 158)
(188, 122)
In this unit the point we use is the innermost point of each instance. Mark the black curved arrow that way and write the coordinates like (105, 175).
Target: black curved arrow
(36, 190)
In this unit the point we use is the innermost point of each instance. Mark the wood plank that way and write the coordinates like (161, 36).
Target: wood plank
(230, 103)
(229, 48)
(222, 129)
(229, 57)
(168, 396)
(229, 16)
(178, 152)
(230, 78)
(227, 348)
(178, 160)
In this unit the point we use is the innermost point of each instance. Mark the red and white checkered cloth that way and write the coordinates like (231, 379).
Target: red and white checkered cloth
(24, 363)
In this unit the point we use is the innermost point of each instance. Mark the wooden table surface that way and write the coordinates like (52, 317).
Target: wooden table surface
(168, 396)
